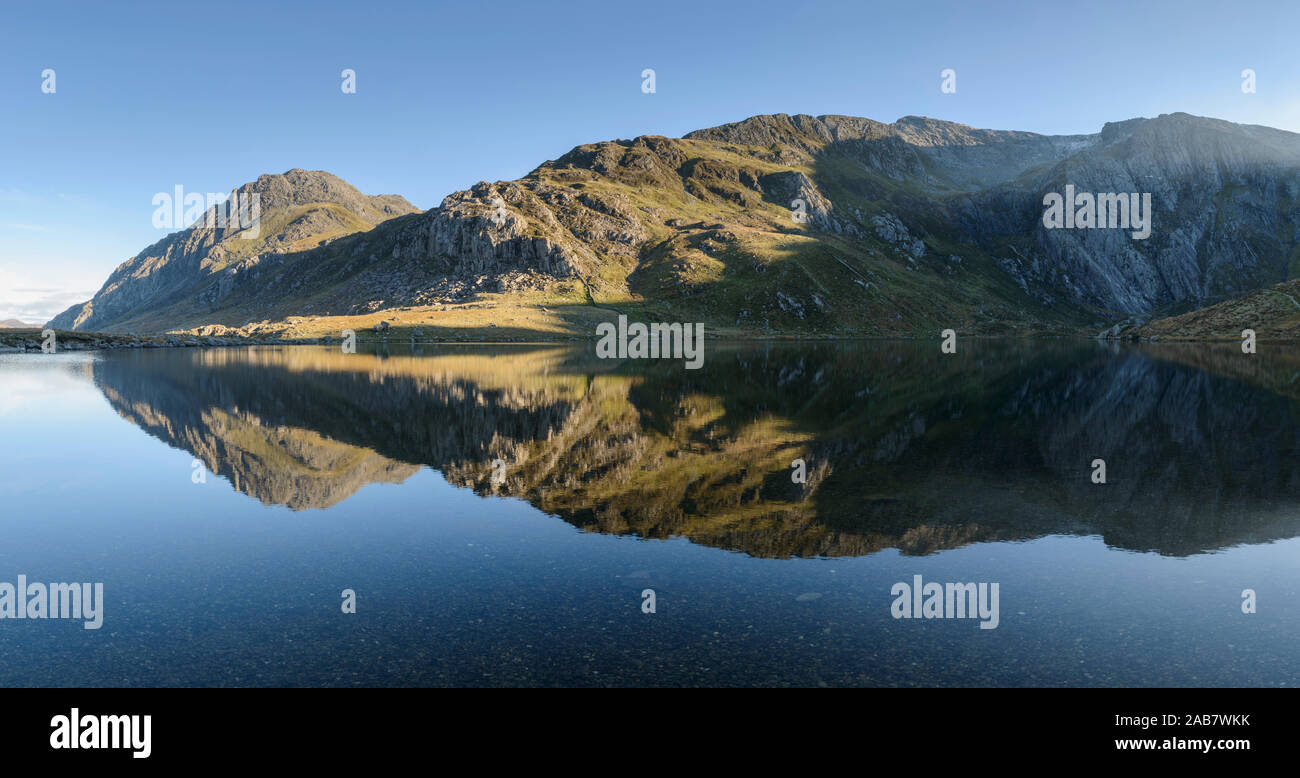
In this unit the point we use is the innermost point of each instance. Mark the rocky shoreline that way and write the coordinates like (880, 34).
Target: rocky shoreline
(28, 341)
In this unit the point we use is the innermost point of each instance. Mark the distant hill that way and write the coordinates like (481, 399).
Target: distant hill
(830, 225)
(15, 324)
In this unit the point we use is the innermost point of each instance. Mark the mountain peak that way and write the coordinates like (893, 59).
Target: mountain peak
(299, 187)
(192, 269)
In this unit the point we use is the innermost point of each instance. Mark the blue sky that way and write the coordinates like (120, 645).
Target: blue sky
(150, 96)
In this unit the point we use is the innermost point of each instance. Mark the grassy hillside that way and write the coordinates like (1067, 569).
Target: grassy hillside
(1273, 313)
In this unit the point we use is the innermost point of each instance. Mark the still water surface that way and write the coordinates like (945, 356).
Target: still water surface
(375, 472)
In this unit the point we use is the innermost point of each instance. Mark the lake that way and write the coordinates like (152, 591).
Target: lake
(506, 515)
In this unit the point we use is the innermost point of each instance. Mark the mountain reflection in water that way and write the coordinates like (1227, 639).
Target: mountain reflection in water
(905, 447)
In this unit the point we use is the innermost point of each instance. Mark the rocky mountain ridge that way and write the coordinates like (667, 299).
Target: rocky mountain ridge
(775, 224)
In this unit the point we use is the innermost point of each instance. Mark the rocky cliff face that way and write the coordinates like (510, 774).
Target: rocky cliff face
(1225, 216)
(776, 223)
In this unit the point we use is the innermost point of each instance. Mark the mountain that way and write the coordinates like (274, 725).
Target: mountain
(189, 274)
(775, 224)
(15, 324)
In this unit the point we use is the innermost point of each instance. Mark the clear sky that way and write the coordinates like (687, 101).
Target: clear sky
(149, 96)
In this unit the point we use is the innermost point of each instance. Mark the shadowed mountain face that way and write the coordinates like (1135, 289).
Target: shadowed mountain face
(904, 448)
(773, 224)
